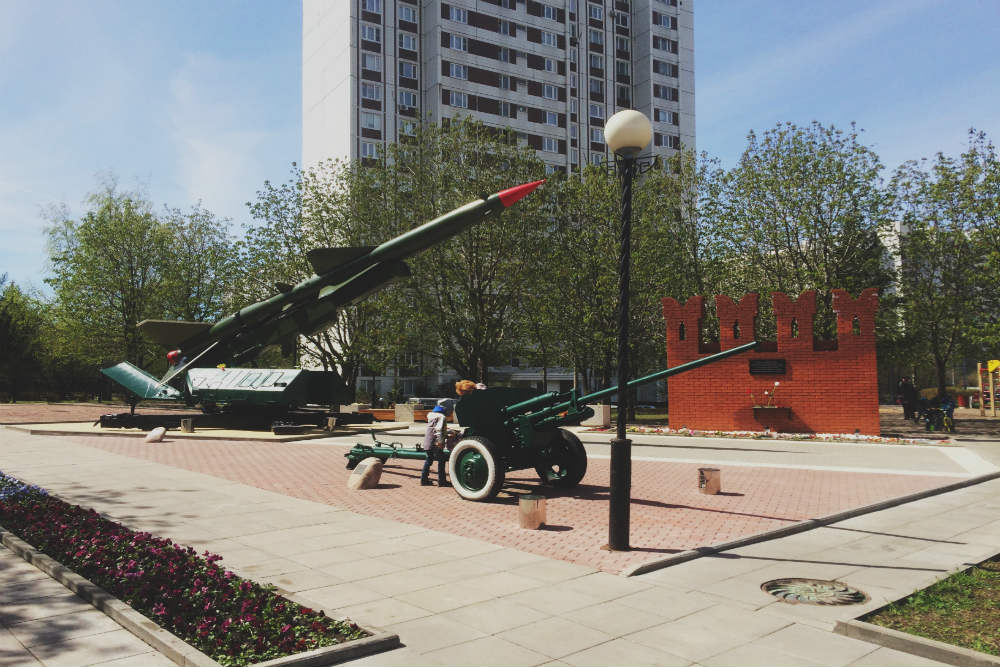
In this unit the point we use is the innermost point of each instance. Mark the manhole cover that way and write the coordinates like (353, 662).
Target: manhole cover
(814, 591)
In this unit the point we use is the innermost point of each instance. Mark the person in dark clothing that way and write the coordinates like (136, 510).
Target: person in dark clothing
(907, 395)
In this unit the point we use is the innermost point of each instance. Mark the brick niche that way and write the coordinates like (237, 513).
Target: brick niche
(826, 386)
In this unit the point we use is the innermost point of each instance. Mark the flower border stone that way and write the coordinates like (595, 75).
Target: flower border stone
(170, 644)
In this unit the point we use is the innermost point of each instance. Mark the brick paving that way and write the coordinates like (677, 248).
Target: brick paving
(668, 513)
(42, 413)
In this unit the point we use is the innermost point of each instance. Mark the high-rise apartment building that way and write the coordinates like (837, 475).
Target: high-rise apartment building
(551, 71)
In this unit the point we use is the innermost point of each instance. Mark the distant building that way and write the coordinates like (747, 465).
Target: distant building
(552, 71)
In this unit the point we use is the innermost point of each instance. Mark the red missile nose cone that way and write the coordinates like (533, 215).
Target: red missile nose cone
(515, 194)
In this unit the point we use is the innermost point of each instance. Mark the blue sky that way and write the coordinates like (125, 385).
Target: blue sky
(194, 101)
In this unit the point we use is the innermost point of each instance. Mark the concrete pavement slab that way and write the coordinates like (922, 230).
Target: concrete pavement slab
(887, 657)
(554, 637)
(495, 615)
(92, 649)
(615, 618)
(622, 653)
(487, 652)
(815, 647)
(434, 632)
(753, 655)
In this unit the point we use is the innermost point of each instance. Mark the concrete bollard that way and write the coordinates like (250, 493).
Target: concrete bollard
(366, 475)
(156, 435)
(709, 480)
(531, 511)
(187, 425)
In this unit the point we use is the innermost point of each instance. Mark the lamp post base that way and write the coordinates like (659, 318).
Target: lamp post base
(620, 494)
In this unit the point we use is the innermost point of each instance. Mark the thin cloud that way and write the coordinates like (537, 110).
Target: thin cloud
(774, 70)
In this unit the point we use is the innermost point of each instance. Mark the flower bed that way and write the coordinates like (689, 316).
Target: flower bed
(770, 435)
(231, 619)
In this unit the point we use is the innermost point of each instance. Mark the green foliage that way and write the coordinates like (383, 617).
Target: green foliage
(947, 282)
(21, 323)
(803, 209)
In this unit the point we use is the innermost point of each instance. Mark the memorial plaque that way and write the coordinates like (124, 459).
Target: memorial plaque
(767, 367)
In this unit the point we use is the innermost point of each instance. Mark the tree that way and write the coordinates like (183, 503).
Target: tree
(201, 266)
(942, 258)
(21, 323)
(803, 209)
(108, 271)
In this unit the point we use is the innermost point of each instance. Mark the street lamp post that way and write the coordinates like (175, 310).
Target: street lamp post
(626, 133)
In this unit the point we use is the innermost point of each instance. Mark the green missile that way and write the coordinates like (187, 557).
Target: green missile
(343, 276)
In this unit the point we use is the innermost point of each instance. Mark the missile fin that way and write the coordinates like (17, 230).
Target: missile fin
(172, 333)
(324, 260)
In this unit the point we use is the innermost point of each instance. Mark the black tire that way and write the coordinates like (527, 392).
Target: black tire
(476, 472)
(567, 462)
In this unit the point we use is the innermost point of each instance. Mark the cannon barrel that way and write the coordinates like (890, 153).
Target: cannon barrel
(550, 409)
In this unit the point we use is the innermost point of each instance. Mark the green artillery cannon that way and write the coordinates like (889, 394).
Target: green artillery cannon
(509, 429)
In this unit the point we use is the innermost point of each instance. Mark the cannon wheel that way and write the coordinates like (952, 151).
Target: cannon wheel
(568, 462)
(475, 469)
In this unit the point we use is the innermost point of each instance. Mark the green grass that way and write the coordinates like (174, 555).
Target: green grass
(963, 610)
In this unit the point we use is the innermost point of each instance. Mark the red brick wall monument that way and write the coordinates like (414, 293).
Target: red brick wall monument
(825, 386)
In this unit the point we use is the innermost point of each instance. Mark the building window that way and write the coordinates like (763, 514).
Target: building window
(622, 43)
(624, 96)
(595, 12)
(504, 82)
(371, 33)
(574, 54)
(371, 61)
(550, 145)
(371, 121)
(664, 116)
(621, 18)
(407, 41)
(549, 64)
(407, 99)
(596, 159)
(459, 43)
(508, 4)
(508, 28)
(368, 150)
(408, 128)
(572, 80)
(407, 13)
(664, 44)
(573, 106)
(374, 6)
(506, 55)
(505, 109)
(665, 92)
(596, 134)
(573, 128)
(549, 12)
(550, 92)
(551, 118)
(622, 68)
(460, 100)
(458, 15)
(596, 87)
(596, 61)
(665, 68)
(457, 71)
(371, 91)
(596, 36)
(597, 111)
(674, 142)
(407, 70)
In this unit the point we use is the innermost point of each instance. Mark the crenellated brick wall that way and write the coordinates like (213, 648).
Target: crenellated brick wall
(825, 386)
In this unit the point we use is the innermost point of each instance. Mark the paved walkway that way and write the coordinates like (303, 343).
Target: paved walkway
(42, 623)
(456, 599)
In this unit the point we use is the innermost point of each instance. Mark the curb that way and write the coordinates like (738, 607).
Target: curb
(802, 526)
(916, 645)
(170, 644)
